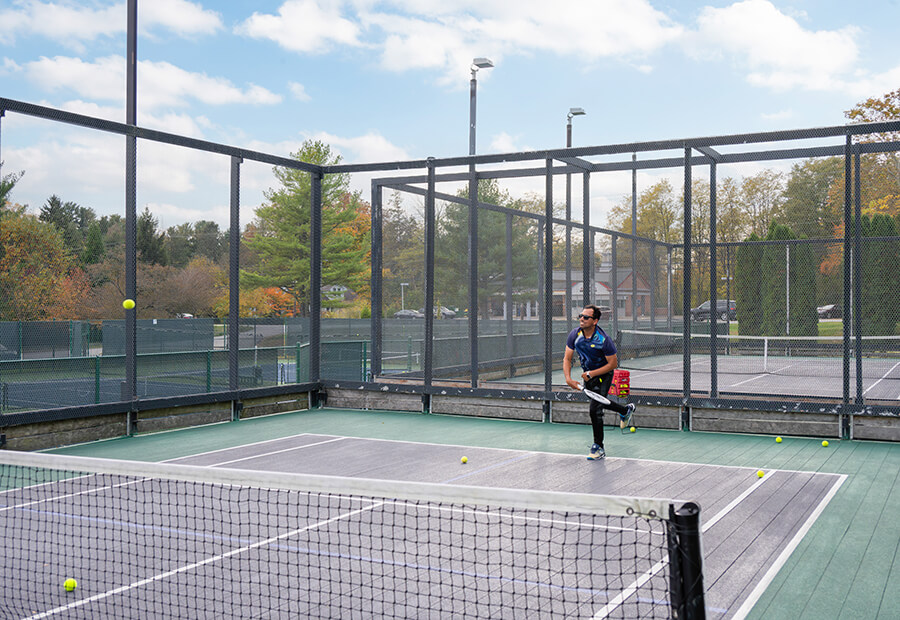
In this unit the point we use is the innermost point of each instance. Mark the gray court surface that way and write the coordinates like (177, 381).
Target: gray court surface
(750, 524)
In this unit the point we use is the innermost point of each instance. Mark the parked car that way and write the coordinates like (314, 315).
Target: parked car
(830, 311)
(446, 313)
(408, 314)
(725, 310)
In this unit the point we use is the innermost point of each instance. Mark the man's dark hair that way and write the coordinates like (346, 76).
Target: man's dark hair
(595, 310)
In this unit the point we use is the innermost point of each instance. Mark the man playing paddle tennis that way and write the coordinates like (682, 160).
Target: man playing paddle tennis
(598, 357)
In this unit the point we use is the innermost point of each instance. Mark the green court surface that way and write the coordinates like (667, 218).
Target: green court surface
(846, 566)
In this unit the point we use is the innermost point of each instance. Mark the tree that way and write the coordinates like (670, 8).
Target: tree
(748, 287)
(192, 289)
(281, 235)
(659, 215)
(38, 279)
(776, 275)
(403, 255)
(878, 304)
(209, 241)
(94, 250)
(762, 198)
(7, 183)
(809, 207)
(179, 242)
(150, 244)
(451, 250)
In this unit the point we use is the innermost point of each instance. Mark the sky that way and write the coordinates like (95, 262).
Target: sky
(388, 80)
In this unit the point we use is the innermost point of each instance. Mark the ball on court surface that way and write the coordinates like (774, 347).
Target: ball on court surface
(778, 440)
(464, 460)
(70, 584)
(632, 429)
(760, 473)
(825, 444)
(128, 304)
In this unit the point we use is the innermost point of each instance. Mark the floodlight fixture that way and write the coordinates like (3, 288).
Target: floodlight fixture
(482, 63)
(575, 112)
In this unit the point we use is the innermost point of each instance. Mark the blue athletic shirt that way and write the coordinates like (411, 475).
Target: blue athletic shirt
(593, 351)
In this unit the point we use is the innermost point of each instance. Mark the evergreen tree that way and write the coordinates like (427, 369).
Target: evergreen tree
(804, 320)
(748, 287)
(878, 302)
(451, 250)
(94, 250)
(774, 282)
(150, 243)
(281, 237)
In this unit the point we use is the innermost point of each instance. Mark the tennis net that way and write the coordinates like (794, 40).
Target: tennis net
(176, 541)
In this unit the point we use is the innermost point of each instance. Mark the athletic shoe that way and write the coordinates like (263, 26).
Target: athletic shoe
(597, 453)
(626, 417)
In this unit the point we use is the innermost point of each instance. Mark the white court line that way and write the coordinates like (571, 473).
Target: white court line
(620, 598)
(748, 380)
(882, 378)
(194, 565)
(130, 482)
(767, 579)
(258, 456)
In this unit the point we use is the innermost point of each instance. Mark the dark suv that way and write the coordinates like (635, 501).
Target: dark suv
(725, 310)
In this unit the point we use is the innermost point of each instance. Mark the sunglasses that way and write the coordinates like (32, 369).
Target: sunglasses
(586, 317)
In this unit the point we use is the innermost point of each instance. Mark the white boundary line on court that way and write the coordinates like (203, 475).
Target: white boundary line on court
(883, 377)
(194, 565)
(632, 588)
(781, 560)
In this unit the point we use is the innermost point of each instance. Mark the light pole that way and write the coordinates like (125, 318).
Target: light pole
(568, 303)
(403, 286)
(477, 63)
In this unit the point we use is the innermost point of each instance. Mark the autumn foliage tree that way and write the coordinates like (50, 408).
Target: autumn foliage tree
(38, 278)
(281, 239)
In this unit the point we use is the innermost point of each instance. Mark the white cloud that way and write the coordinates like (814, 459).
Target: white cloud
(504, 143)
(72, 24)
(161, 84)
(425, 34)
(371, 147)
(180, 16)
(299, 91)
(778, 116)
(9, 67)
(303, 26)
(774, 49)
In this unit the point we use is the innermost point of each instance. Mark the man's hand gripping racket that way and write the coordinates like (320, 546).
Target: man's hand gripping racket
(593, 395)
(623, 422)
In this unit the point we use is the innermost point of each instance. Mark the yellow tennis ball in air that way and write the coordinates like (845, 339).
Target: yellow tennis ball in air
(464, 460)
(70, 584)
(632, 429)
(128, 304)
(778, 440)
(760, 473)
(825, 444)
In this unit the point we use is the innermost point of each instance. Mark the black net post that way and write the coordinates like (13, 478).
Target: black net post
(686, 563)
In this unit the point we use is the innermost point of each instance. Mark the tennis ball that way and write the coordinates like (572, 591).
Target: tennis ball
(778, 440)
(632, 429)
(825, 444)
(70, 584)
(760, 473)
(128, 304)
(464, 460)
